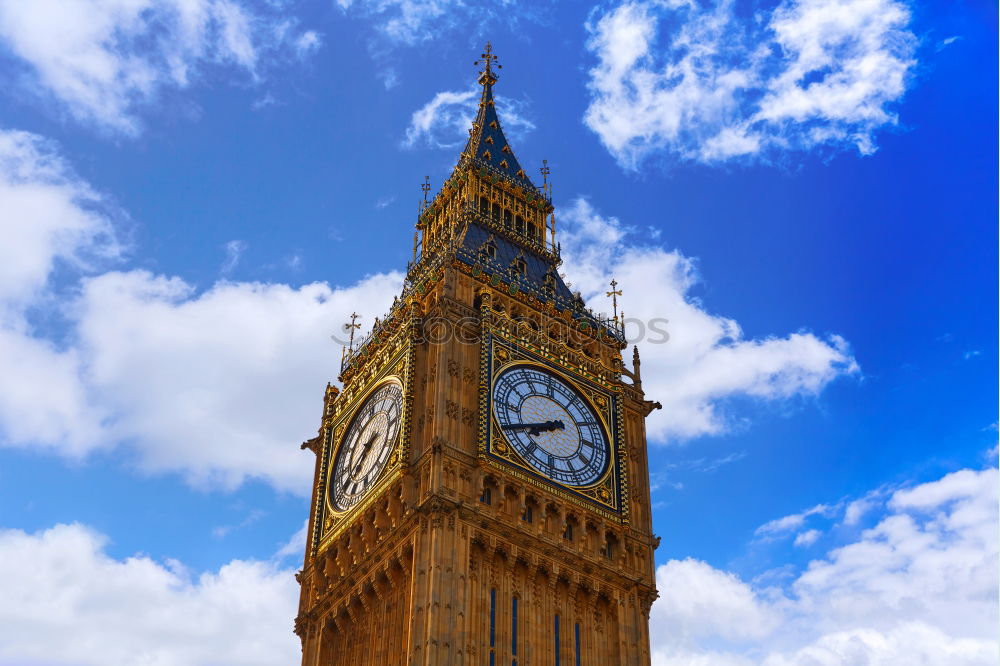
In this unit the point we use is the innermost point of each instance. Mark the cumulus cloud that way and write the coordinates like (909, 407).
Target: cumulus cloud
(218, 384)
(444, 121)
(707, 83)
(61, 582)
(917, 588)
(692, 360)
(222, 384)
(104, 59)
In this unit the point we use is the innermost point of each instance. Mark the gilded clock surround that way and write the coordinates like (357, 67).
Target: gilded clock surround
(460, 553)
(609, 495)
(395, 368)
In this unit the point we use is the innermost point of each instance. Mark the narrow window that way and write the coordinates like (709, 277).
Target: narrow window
(526, 516)
(557, 640)
(568, 534)
(576, 630)
(487, 496)
(513, 627)
(493, 616)
(493, 625)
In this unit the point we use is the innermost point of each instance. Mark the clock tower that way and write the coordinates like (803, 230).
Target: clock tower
(481, 493)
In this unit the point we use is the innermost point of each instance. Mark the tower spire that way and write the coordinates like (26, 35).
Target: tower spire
(487, 144)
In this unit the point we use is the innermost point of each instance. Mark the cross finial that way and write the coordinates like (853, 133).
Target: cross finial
(425, 187)
(614, 294)
(487, 59)
(353, 326)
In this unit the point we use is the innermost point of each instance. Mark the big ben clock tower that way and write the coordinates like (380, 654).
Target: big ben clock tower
(481, 493)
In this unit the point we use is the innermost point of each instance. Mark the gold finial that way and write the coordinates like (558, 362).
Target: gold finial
(487, 59)
(614, 294)
(425, 187)
(545, 174)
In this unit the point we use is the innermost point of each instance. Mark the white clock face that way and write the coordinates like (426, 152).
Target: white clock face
(550, 425)
(366, 446)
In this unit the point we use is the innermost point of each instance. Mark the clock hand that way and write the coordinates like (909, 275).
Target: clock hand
(364, 454)
(536, 428)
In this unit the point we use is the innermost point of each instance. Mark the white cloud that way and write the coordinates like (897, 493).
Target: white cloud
(918, 588)
(708, 84)
(49, 216)
(105, 59)
(444, 121)
(219, 385)
(51, 219)
(807, 538)
(61, 582)
(703, 359)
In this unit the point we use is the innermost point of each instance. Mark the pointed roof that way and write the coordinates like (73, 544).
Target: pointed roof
(487, 144)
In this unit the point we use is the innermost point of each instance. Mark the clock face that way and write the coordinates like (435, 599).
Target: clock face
(366, 446)
(550, 425)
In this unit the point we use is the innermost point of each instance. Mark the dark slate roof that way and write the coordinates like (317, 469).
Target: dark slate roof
(484, 129)
(537, 267)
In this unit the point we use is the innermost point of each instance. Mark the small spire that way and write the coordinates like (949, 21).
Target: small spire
(487, 59)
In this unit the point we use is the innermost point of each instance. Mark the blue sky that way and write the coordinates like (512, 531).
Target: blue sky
(195, 195)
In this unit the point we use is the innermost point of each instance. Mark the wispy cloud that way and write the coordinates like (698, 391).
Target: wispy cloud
(234, 252)
(706, 83)
(411, 22)
(222, 531)
(792, 522)
(946, 42)
(445, 120)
